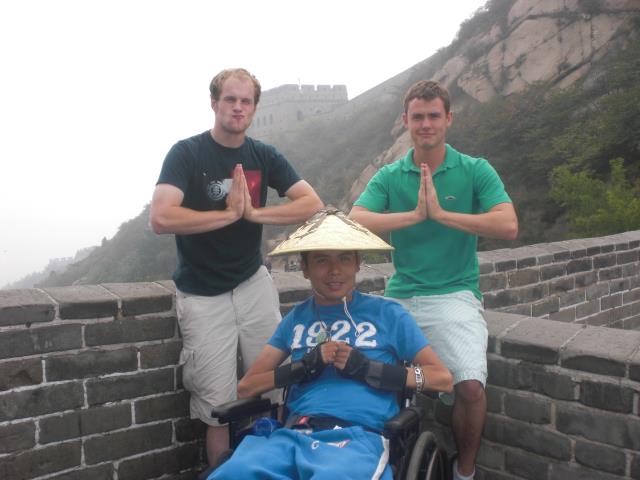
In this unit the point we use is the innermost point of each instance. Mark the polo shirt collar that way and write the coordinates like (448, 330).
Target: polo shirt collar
(451, 160)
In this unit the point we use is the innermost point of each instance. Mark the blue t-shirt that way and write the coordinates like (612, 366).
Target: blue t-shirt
(386, 332)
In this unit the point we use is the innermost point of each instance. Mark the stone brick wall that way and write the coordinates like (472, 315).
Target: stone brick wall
(593, 281)
(90, 385)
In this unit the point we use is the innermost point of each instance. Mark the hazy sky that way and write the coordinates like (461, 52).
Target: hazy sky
(93, 93)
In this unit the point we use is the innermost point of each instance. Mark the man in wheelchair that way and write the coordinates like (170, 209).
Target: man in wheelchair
(345, 372)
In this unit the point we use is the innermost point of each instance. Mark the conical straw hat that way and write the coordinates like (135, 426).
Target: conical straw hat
(330, 229)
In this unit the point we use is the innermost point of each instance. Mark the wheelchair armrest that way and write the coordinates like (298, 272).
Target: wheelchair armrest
(242, 408)
(405, 419)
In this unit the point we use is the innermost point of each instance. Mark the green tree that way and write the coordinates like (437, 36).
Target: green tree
(596, 207)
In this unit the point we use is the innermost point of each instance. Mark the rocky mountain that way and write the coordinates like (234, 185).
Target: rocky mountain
(524, 76)
(515, 44)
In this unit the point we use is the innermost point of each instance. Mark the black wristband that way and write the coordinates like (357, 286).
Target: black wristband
(374, 373)
(289, 374)
(308, 368)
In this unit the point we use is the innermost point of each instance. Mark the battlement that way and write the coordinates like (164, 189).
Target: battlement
(288, 104)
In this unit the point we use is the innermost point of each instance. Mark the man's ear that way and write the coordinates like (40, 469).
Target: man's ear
(214, 105)
(404, 120)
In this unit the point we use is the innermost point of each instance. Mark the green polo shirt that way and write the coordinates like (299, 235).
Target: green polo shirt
(430, 258)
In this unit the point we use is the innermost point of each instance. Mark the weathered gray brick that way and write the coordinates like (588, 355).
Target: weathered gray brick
(630, 270)
(567, 471)
(552, 271)
(520, 278)
(611, 301)
(561, 256)
(631, 296)
(537, 440)
(40, 461)
(84, 422)
(598, 290)
(527, 376)
(627, 257)
(600, 426)
(621, 285)
(501, 299)
(17, 436)
(566, 315)
(491, 455)
(505, 265)
(594, 250)
(537, 340)
(635, 466)
(84, 301)
(546, 306)
(580, 265)
(111, 389)
(606, 396)
(127, 442)
(100, 472)
(188, 430)
(527, 407)
(586, 279)
(24, 307)
(533, 293)
(20, 373)
(22, 343)
(609, 274)
(600, 350)
(142, 297)
(497, 281)
(130, 330)
(607, 248)
(600, 457)
(157, 464)
(91, 363)
(484, 266)
(526, 465)
(174, 405)
(40, 401)
(526, 262)
(605, 318)
(564, 284)
(160, 355)
(604, 261)
(494, 399)
(587, 309)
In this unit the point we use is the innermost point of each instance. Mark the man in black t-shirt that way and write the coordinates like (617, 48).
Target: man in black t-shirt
(211, 194)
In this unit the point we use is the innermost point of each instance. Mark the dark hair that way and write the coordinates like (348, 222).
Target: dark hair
(215, 87)
(427, 90)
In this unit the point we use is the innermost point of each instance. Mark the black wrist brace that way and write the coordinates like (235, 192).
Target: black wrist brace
(308, 368)
(375, 374)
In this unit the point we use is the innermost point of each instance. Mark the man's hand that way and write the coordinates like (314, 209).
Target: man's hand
(249, 213)
(352, 363)
(421, 210)
(434, 210)
(342, 355)
(236, 202)
(329, 351)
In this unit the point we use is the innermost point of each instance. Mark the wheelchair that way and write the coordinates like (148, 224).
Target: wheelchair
(413, 455)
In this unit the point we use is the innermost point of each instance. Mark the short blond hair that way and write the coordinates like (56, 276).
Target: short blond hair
(215, 87)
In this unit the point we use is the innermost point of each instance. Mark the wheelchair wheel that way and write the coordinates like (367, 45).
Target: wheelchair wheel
(428, 462)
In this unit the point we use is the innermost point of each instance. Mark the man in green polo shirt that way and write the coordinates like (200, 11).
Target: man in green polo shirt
(435, 202)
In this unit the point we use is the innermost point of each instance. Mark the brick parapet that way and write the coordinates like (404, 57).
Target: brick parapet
(90, 382)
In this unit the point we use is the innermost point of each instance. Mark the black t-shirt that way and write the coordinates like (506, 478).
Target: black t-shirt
(215, 262)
